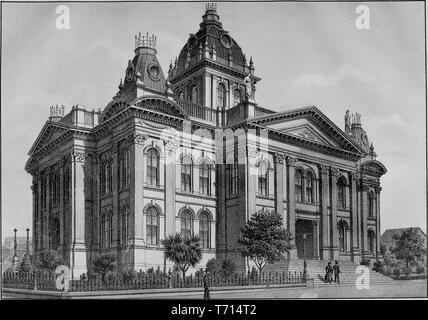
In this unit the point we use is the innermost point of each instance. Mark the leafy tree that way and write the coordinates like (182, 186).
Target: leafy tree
(264, 239)
(49, 260)
(383, 249)
(183, 252)
(103, 264)
(213, 265)
(24, 267)
(228, 268)
(409, 246)
(128, 275)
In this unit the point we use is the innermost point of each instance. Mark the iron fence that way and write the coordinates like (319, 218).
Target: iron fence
(142, 281)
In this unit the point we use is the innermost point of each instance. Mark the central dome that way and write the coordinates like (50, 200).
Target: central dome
(211, 35)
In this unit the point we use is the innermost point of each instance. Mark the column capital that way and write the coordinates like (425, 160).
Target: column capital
(291, 161)
(355, 175)
(378, 189)
(252, 151)
(139, 139)
(323, 168)
(364, 188)
(114, 146)
(279, 158)
(335, 172)
(80, 156)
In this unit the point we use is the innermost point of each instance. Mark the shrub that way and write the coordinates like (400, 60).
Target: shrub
(364, 262)
(128, 275)
(199, 272)
(49, 260)
(213, 266)
(378, 266)
(104, 264)
(150, 270)
(420, 270)
(228, 268)
(407, 271)
(158, 271)
(396, 272)
(254, 273)
(387, 270)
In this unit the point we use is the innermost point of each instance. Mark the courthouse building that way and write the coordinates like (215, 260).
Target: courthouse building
(191, 151)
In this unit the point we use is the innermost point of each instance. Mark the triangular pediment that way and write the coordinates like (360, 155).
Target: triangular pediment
(311, 125)
(49, 133)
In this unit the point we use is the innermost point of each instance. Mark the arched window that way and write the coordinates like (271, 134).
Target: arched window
(153, 167)
(309, 187)
(221, 96)
(66, 182)
(341, 193)
(342, 236)
(152, 223)
(54, 234)
(371, 241)
(204, 230)
(186, 224)
(262, 173)
(124, 169)
(107, 230)
(236, 97)
(204, 178)
(194, 94)
(106, 178)
(371, 204)
(125, 226)
(186, 173)
(298, 185)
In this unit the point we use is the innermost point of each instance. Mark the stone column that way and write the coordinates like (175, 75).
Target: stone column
(291, 203)
(115, 188)
(378, 242)
(170, 186)
(47, 211)
(355, 248)
(279, 193)
(39, 214)
(316, 239)
(35, 211)
(365, 248)
(325, 247)
(61, 206)
(78, 246)
(136, 206)
(333, 204)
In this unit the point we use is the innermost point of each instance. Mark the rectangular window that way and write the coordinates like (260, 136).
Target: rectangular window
(204, 173)
(186, 177)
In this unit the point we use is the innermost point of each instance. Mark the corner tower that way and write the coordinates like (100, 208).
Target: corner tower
(211, 67)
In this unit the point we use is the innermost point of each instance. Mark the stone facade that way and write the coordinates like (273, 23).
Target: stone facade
(194, 152)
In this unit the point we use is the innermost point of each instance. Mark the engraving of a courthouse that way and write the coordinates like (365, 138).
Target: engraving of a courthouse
(119, 179)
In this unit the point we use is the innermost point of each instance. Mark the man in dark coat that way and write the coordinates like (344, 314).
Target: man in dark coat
(336, 270)
(206, 286)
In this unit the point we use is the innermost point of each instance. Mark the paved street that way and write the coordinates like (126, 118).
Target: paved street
(414, 288)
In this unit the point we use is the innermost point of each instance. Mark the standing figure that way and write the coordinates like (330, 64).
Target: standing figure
(328, 273)
(206, 286)
(347, 122)
(336, 270)
(247, 82)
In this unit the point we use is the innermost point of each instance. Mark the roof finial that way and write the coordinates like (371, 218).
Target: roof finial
(211, 6)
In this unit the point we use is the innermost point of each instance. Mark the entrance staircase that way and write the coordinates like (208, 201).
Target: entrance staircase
(316, 270)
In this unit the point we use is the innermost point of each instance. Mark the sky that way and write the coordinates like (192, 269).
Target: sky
(305, 53)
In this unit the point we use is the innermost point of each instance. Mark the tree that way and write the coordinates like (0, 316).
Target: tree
(103, 264)
(214, 266)
(264, 239)
(409, 246)
(183, 252)
(49, 260)
(228, 268)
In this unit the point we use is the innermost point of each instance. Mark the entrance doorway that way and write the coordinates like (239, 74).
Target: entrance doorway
(304, 239)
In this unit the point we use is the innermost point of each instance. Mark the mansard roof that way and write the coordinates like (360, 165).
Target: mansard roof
(316, 117)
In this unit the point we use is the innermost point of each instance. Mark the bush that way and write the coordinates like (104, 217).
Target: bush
(396, 272)
(365, 262)
(49, 260)
(104, 264)
(150, 270)
(128, 275)
(407, 271)
(199, 272)
(254, 273)
(378, 266)
(228, 268)
(387, 270)
(213, 266)
(420, 270)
